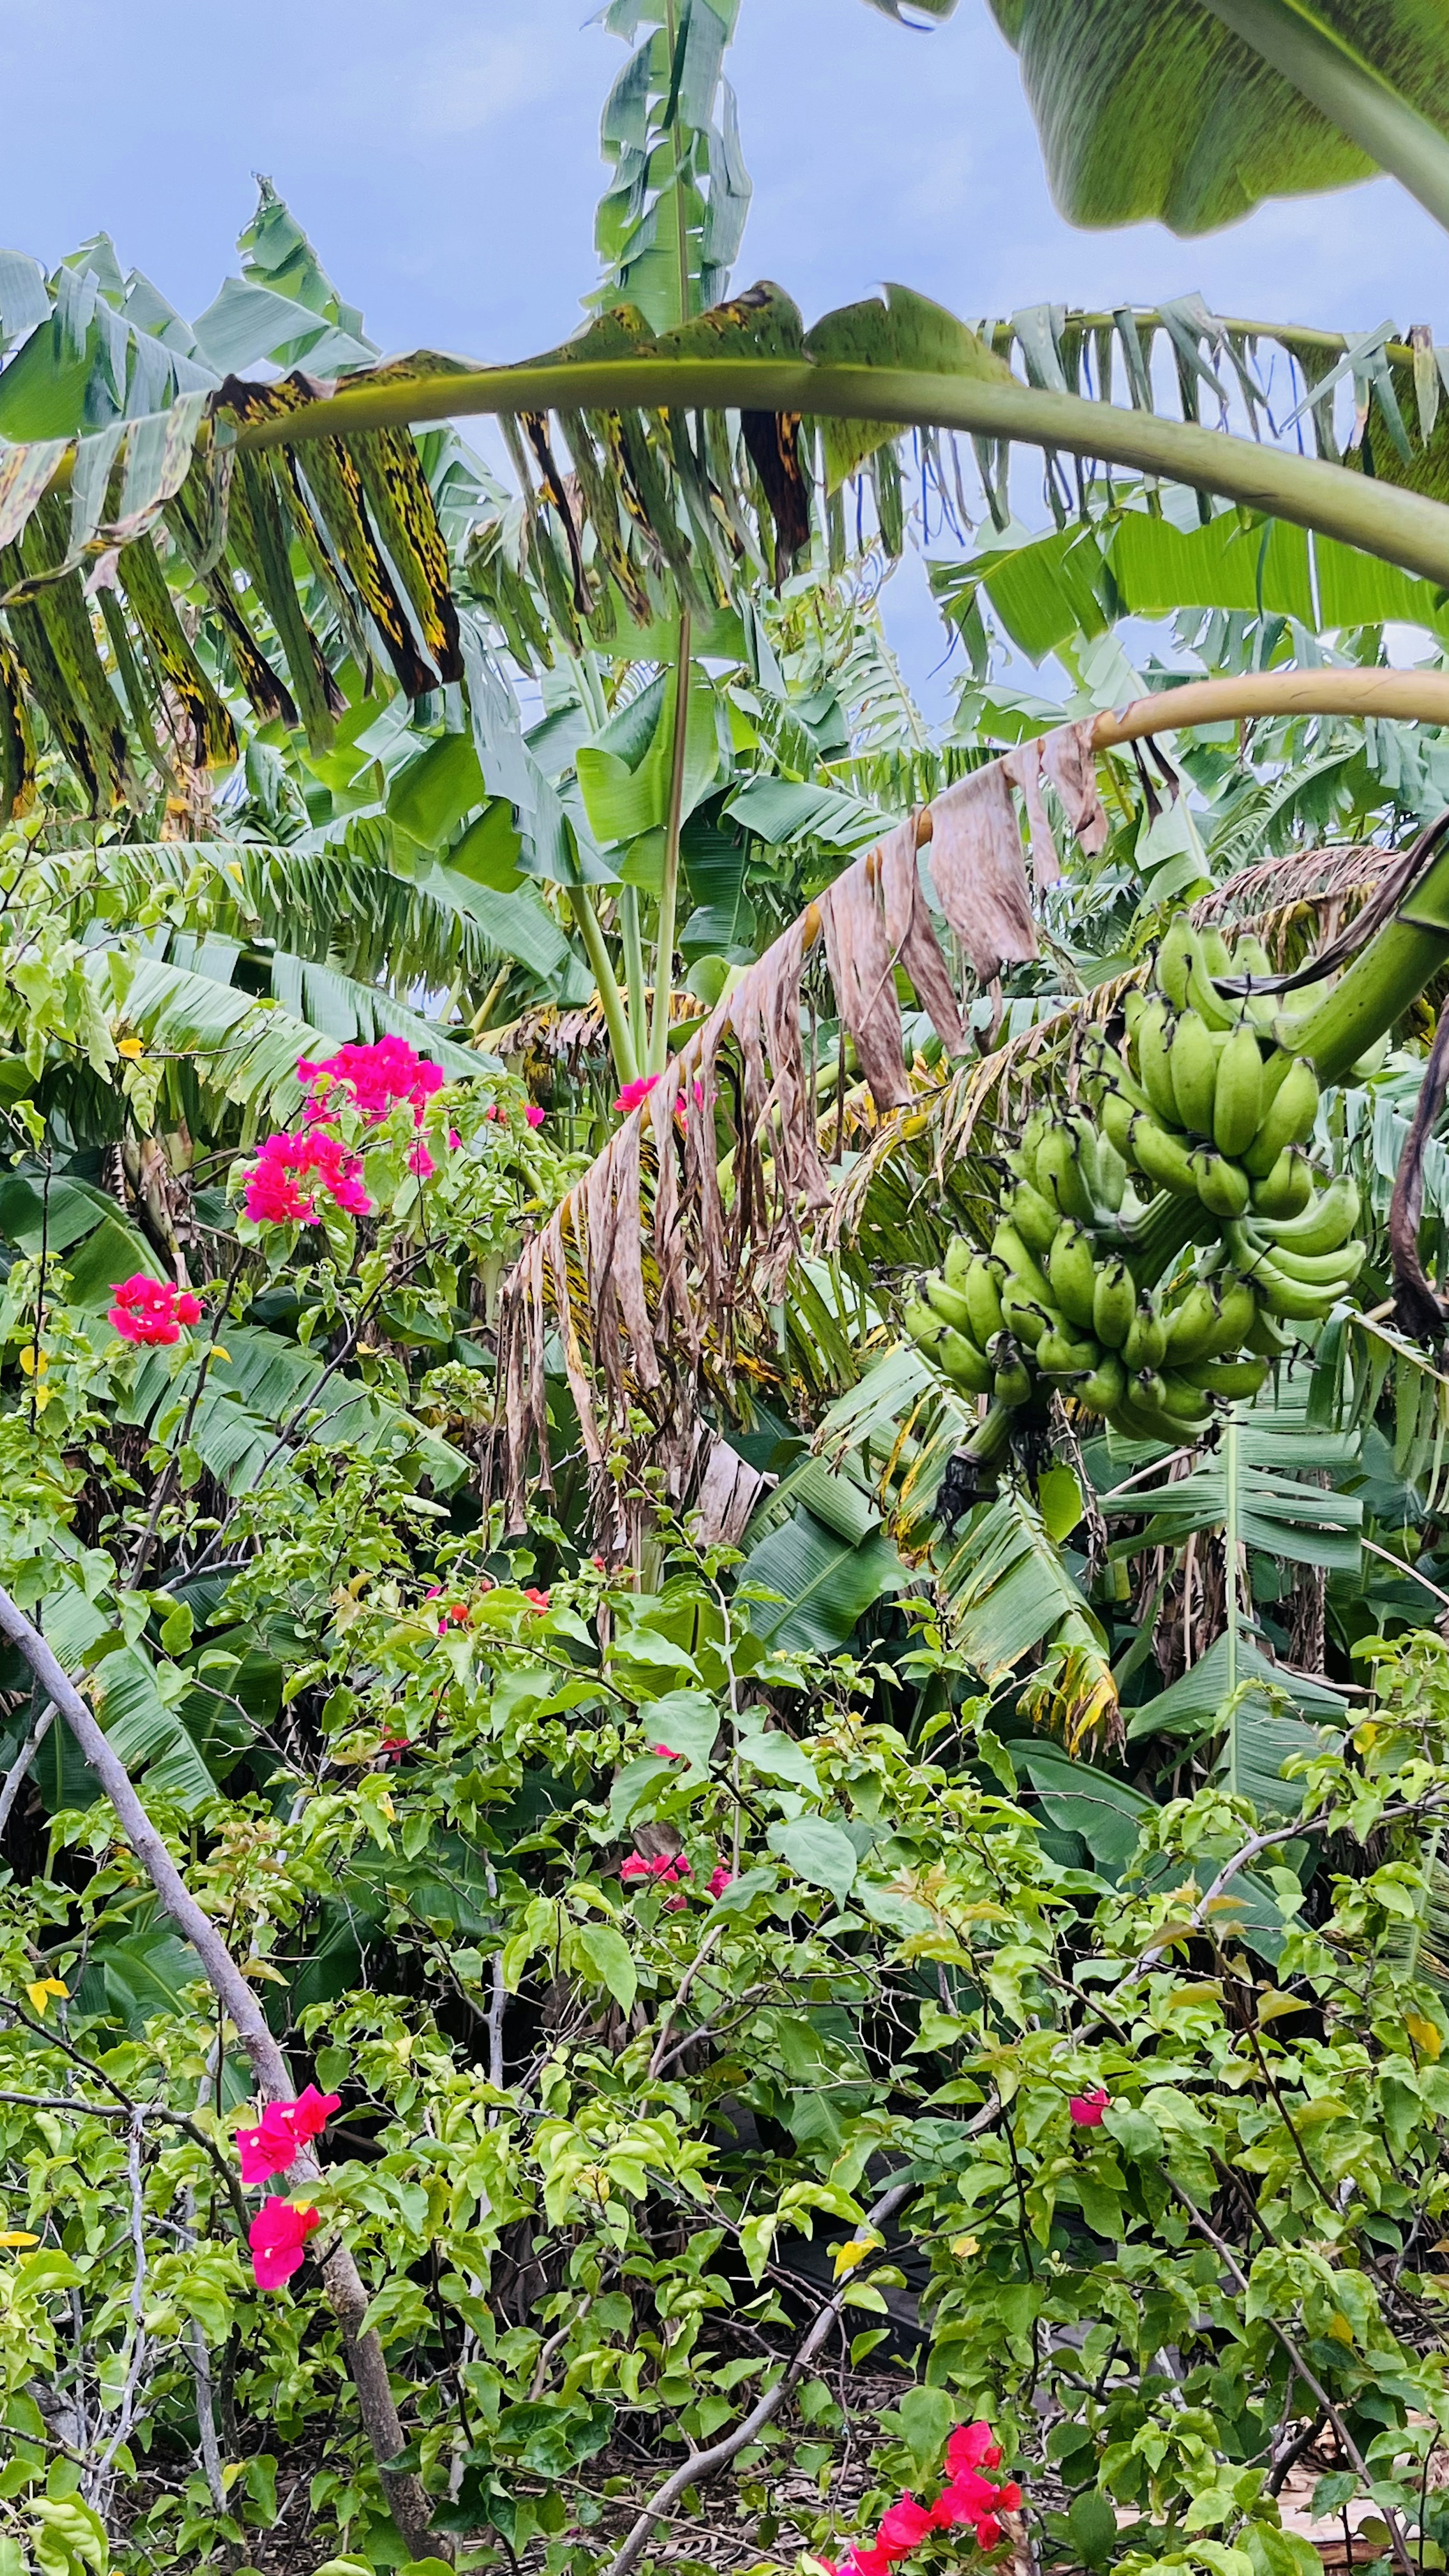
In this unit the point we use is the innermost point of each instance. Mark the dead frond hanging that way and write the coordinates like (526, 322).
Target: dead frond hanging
(659, 1270)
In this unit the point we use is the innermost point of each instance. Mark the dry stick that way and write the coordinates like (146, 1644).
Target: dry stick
(345, 2290)
(1309, 2378)
(15, 1776)
(703, 2464)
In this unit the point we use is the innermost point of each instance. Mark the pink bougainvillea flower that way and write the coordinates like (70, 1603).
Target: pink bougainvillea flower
(988, 2532)
(967, 2497)
(377, 1075)
(394, 1747)
(720, 1879)
(870, 2562)
(454, 1139)
(972, 2446)
(272, 2145)
(1086, 2109)
(276, 2236)
(534, 1114)
(540, 1601)
(148, 1310)
(666, 1753)
(421, 1161)
(274, 1195)
(904, 2527)
(634, 1094)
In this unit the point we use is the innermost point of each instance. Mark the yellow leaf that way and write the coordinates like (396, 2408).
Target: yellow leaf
(42, 1397)
(962, 2246)
(847, 2256)
(1424, 2034)
(217, 1353)
(41, 1992)
(131, 1047)
(17, 2236)
(33, 1363)
(1339, 2328)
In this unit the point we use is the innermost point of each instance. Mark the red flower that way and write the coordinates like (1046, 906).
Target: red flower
(988, 2532)
(665, 1754)
(1086, 2109)
(720, 1879)
(539, 1600)
(376, 1075)
(534, 1114)
(868, 2562)
(394, 1746)
(276, 2236)
(904, 2527)
(284, 2127)
(273, 1194)
(667, 1866)
(148, 1310)
(634, 1094)
(972, 2446)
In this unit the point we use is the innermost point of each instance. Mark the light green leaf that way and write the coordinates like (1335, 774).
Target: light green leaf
(608, 1954)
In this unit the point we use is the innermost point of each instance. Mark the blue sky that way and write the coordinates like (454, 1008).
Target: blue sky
(445, 161)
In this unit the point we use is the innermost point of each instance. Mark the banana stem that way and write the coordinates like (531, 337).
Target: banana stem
(1230, 1585)
(1378, 987)
(1166, 1230)
(633, 943)
(669, 891)
(611, 999)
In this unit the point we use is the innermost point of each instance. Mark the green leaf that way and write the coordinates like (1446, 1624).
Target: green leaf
(1170, 111)
(820, 1853)
(609, 1956)
(825, 1583)
(430, 796)
(927, 2415)
(686, 1724)
(625, 799)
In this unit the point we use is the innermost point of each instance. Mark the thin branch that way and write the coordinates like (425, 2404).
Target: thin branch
(15, 1776)
(703, 2464)
(345, 2289)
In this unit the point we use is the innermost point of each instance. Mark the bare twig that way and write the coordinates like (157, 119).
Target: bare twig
(703, 2464)
(345, 2290)
(14, 1777)
(1347, 2444)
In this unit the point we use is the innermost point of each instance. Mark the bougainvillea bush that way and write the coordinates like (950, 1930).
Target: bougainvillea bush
(696, 2039)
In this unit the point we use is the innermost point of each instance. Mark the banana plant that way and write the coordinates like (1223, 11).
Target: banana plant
(1256, 1489)
(1193, 111)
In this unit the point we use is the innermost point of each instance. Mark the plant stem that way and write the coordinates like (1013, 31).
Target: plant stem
(348, 2297)
(669, 891)
(1231, 1446)
(1403, 527)
(633, 941)
(616, 1017)
(1380, 984)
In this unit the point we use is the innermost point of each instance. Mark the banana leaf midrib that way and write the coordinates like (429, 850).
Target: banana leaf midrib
(1403, 527)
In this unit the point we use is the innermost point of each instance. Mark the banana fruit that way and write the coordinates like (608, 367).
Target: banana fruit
(1211, 1117)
